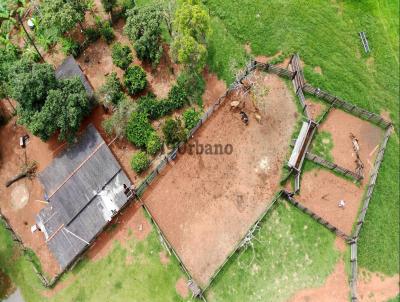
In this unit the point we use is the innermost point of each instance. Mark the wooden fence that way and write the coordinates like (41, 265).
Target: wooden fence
(275, 69)
(372, 182)
(353, 269)
(316, 217)
(332, 166)
(350, 108)
(298, 81)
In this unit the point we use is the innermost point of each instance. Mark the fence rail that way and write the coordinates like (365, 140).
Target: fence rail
(298, 81)
(353, 109)
(372, 182)
(332, 166)
(316, 217)
(353, 268)
(275, 69)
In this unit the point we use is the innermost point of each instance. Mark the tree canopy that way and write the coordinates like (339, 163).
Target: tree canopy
(46, 105)
(62, 15)
(191, 28)
(143, 27)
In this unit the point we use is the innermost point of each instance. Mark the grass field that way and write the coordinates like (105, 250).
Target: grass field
(289, 253)
(325, 35)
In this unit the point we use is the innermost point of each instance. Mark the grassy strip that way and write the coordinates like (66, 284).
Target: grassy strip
(290, 252)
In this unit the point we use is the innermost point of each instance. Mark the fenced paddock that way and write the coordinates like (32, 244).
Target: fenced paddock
(205, 204)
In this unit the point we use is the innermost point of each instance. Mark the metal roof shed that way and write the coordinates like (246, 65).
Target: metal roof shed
(70, 68)
(85, 189)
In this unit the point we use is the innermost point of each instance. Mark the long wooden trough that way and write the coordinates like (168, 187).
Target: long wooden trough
(302, 143)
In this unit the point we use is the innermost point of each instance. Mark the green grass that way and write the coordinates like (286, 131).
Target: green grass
(322, 145)
(291, 252)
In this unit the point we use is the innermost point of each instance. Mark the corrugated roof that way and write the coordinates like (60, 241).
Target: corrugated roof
(84, 185)
(70, 68)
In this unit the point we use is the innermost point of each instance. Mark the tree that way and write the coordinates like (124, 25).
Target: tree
(63, 15)
(191, 28)
(135, 79)
(154, 144)
(30, 83)
(121, 55)
(63, 111)
(173, 131)
(111, 92)
(143, 27)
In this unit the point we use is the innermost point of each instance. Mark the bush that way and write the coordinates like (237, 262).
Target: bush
(193, 84)
(107, 32)
(140, 162)
(92, 34)
(111, 91)
(135, 79)
(139, 129)
(153, 144)
(121, 55)
(173, 131)
(118, 122)
(178, 96)
(70, 47)
(191, 117)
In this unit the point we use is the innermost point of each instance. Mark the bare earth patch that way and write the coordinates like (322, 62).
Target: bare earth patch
(213, 90)
(130, 221)
(373, 287)
(335, 288)
(317, 69)
(266, 59)
(205, 203)
(182, 288)
(315, 109)
(164, 258)
(340, 124)
(321, 192)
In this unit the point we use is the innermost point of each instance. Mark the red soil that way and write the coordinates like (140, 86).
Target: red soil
(322, 190)
(315, 109)
(373, 287)
(205, 203)
(335, 288)
(182, 288)
(213, 90)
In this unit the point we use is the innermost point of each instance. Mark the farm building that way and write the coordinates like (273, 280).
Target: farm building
(70, 68)
(85, 187)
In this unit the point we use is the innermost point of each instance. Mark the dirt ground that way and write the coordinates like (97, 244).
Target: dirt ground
(322, 190)
(335, 288)
(340, 124)
(373, 287)
(206, 203)
(315, 109)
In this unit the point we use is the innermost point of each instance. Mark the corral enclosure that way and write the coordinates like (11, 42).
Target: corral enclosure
(206, 203)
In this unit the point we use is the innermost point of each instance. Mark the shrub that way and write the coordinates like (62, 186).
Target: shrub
(111, 91)
(107, 32)
(140, 162)
(135, 79)
(193, 84)
(178, 96)
(139, 129)
(117, 123)
(173, 131)
(92, 34)
(153, 144)
(121, 55)
(70, 47)
(191, 117)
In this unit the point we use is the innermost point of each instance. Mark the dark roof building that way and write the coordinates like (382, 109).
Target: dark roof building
(85, 187)
(70, 68)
